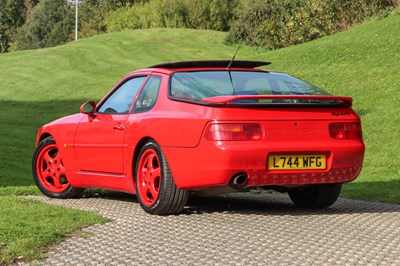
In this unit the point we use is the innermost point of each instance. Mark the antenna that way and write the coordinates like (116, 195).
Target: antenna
(229, 67)
(233, 58)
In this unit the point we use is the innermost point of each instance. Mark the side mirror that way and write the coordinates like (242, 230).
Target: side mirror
(88, 108)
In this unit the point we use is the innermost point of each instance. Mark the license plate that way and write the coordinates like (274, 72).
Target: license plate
(297, 162)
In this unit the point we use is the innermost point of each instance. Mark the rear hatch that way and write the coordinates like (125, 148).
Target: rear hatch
(295, 136)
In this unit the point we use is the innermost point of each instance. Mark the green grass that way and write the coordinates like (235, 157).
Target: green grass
(25, 230)
(19, 190)
(42, 85)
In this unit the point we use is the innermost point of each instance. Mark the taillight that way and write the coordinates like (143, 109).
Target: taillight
(234, 132)
(345, 130)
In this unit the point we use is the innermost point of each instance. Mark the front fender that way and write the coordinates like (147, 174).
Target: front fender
(63, 131)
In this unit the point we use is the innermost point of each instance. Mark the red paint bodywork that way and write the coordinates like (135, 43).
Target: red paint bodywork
(100, 150)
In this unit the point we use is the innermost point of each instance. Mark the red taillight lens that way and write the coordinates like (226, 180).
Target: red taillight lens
(234, 132)
(345, 130)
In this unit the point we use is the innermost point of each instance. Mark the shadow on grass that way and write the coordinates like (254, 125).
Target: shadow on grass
(20, 122)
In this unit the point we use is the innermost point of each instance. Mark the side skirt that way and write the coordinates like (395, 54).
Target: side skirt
(110, 181)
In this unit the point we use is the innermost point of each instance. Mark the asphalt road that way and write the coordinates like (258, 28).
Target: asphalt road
(237, 229)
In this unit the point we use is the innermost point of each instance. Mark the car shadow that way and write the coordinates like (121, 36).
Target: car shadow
(265, 203)
(259, 203)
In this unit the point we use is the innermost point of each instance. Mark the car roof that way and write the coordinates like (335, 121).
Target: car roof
(212, 64)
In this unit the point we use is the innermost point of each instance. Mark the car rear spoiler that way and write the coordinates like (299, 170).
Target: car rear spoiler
(343, 101)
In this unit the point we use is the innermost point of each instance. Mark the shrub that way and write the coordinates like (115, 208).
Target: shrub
(275, 23)
(91, 18)
(200, 14)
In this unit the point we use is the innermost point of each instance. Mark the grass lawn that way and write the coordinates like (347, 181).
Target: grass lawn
(27, 226)
(42, 85)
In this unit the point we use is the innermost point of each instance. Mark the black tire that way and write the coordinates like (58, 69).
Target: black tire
(165, 197)
(51, 181)
(315, 196)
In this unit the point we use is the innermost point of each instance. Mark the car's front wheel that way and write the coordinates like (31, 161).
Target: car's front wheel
(315, 196)
(155, 187)
(49, 172)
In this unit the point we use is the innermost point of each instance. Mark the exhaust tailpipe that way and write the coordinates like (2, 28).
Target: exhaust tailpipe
(238, 181)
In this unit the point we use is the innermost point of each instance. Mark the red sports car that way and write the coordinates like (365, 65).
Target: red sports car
(204, 127)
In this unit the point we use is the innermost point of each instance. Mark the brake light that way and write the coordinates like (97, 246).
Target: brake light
(234, 132)
(345, 130)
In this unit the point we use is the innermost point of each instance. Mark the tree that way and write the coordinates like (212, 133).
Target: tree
(114, 4)
(11, 17)
(48, 24)
(29, 5)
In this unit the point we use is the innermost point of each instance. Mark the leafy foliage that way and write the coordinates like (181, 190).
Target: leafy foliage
(48, 24)
(273, 24)
(11, 17)
(114, 4)
(90, 18)
(200, 14)
(266, 23)
(92, 13)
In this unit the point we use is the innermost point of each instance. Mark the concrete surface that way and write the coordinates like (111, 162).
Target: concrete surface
(236, 229)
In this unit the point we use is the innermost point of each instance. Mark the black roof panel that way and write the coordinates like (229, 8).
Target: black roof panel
(212, 63)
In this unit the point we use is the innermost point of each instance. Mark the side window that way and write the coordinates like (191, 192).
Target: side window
(148, 96)
(121, 100)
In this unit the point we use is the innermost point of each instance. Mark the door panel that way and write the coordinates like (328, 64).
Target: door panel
(99, 139)
(99, 143)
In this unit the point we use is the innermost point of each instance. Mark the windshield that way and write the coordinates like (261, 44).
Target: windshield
(198, 85)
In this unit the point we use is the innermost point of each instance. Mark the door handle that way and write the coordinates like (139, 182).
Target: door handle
(119, 127)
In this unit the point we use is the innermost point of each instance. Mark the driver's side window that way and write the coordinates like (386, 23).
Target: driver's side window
(121, 100)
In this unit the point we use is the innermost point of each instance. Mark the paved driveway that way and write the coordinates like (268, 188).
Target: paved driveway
(237, 229)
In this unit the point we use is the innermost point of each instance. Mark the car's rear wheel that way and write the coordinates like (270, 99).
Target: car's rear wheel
(155, 187)
(315, 196)
(49, 172)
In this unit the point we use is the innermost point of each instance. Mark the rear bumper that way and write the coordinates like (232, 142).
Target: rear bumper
(214, 163)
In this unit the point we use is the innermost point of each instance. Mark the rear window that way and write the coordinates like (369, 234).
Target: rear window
(198, 85)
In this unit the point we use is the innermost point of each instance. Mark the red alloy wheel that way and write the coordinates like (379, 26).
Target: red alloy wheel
(50, 169)
(149, 177)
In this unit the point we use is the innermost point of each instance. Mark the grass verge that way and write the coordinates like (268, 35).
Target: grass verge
(26, 226)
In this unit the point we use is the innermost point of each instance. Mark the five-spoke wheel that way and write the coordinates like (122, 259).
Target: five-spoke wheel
(155, 186)
(49, 172)
(149, 177)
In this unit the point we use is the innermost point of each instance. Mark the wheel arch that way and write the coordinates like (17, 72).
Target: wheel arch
(138, 147)
(43, 136)
(136, 152)
(168, 198)
(53, 169)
